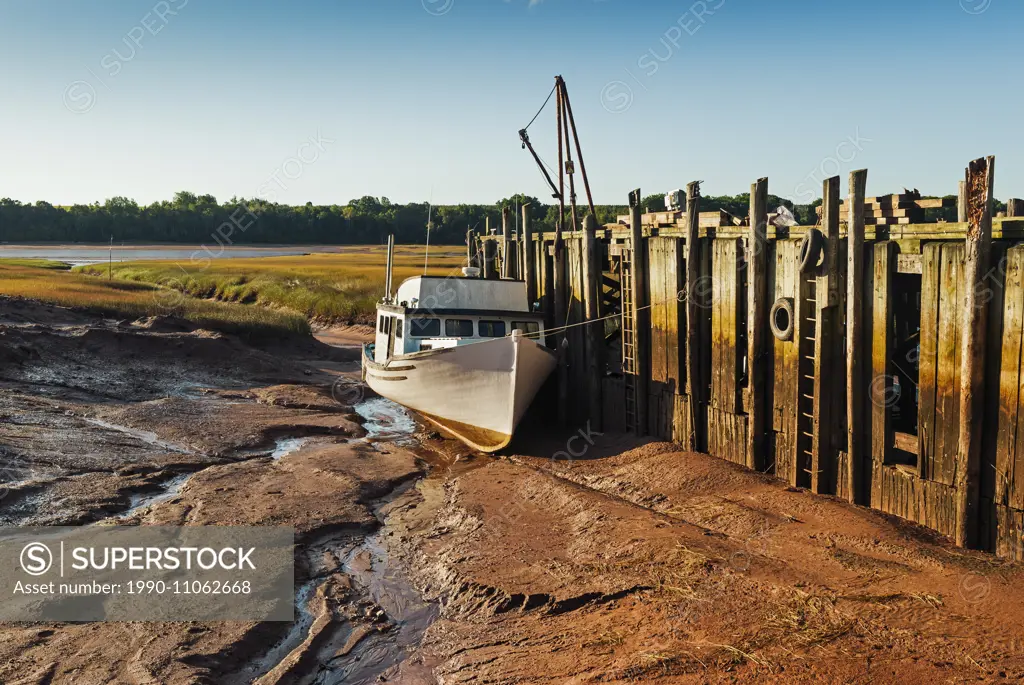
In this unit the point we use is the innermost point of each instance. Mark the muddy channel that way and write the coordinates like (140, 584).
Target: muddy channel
(151, 422)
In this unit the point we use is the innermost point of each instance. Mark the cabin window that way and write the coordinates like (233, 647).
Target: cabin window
(527, 327)
(398, 328)
(380, 324)
(458, 328)
(492, 329)
(425, 328)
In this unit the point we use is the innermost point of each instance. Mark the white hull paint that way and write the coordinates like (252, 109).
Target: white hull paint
(479, 392)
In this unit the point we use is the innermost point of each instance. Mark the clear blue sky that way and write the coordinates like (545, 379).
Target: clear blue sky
(424, 98)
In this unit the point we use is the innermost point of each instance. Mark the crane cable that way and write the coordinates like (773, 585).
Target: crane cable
(541, 108)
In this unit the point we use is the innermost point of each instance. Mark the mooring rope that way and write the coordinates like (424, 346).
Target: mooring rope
(559, 329)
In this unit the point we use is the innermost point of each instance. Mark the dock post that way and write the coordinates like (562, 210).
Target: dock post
(979, 182)
(529, 265)
(490, 247)
(470, 252)
(694, 377)
(826, 296)
(560, 288)
(1014, 207)
(641, 315)
(854, 335)
(389, 278)
(757, 317)
(961, 203)
(594, 331)
(506, 241)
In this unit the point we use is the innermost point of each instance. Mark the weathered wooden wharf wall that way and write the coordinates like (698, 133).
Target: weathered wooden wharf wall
(892, 374)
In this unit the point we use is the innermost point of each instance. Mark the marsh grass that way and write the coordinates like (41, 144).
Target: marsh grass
(323, 288)
(40, 280)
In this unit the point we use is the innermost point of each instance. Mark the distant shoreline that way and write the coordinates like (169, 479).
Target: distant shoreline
(185, 246)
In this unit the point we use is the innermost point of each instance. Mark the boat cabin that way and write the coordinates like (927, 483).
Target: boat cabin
(433, 312)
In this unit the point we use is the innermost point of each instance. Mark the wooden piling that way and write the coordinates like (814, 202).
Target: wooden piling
(560, 287)
(506, 242)
(641, 315)
(694, 384)
(979, 183)
(470, 248)
(490, 248)
(826, 296)
(854, 335)
(757, 319)
(389, 276)
(961, 203)
(529, 265)
(594, 331)
(1014, 207)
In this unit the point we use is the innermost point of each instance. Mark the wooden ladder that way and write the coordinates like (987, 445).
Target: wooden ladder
(629, 357)
(807, 330)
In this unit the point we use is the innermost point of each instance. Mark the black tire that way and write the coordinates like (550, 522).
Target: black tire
(781, 319)
(811, 248)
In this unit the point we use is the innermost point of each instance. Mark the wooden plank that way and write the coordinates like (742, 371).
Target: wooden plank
(826, 300)
(506, 237)
(947, 405)
(996, 285)
(980, 178)
(1006, 491)
(529, 263)
(961, 202)
(905, 441)
(881, 352)
(757, 322)
(936, 202)
(594, 332)
(1014, 207)
(641, 318)
(717, 360)
(886, 221)
(854, 335)
(931, 266)
(909, 264)
(693, 380)
(784, 392)
(725, 304)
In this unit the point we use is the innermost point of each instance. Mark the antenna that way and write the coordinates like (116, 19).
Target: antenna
(430, 209)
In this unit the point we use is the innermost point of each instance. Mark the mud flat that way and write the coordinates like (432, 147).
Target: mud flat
(420, 562)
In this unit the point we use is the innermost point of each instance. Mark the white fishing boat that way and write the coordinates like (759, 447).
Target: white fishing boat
(465, 353)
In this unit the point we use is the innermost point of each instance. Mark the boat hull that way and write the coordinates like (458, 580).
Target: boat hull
(478, 392)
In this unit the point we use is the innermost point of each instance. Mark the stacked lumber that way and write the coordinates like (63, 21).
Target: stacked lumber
(713, 219)
(891, 210)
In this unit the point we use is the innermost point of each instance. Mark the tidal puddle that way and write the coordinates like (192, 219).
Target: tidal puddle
(168, 490)
(285, 446)
(145, 436)
(385, 420)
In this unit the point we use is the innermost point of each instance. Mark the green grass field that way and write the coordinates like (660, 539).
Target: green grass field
(322, 288)
(51, 282)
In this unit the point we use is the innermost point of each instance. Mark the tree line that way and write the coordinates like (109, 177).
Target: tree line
(200, 219)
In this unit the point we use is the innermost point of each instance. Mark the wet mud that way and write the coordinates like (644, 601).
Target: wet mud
(419, 561)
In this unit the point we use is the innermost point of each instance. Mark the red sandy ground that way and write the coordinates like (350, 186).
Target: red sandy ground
(658, 565)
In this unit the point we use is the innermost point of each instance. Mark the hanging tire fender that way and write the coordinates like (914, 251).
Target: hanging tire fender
(811, 248)
(781, 319)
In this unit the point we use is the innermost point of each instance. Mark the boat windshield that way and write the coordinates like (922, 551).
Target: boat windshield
(458, 328)
(424, 328)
